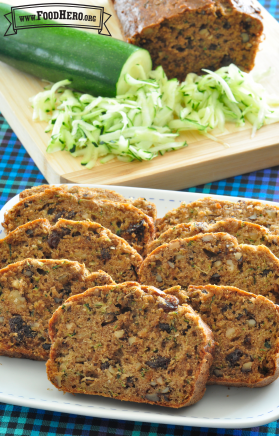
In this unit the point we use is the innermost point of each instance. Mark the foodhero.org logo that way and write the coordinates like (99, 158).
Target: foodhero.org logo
(61, 15)
(69, 15)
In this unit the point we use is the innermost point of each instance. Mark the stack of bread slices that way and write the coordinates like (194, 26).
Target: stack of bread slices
(125, 305)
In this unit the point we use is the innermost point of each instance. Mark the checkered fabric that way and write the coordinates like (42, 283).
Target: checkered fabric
(17, 169)
(263, 184)
(18, 172)
(15, 420)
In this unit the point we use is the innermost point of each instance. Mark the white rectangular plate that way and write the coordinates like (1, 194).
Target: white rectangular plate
(24, 382)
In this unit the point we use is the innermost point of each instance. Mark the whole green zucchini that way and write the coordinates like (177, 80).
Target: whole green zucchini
(94, 63)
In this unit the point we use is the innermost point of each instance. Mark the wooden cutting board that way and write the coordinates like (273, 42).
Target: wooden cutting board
(201, 162)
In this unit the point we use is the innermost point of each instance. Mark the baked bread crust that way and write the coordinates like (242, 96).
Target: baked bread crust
(187, 36)
(245, 233)
(140, 320)
(85, 242)
(122, 219)
(211, 210)
(213, 258)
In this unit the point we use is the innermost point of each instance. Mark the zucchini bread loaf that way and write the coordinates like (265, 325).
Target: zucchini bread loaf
(245, 233)
(211, 210)
(122, 219)
(84, 242)
(213, 258)
(147, 207)
(149, 350)
(31, 290)
(186, 36)
(246, 330)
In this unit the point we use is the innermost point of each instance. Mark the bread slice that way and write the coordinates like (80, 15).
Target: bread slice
(31, 290)
(145, 206)
(79, 191)
(85, 242)
(122, 219)
(246, 329)
(245, 233)
(131, 343)
(213, 258)
(210, 210)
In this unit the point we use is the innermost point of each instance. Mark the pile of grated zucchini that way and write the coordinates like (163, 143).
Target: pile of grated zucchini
(146, 121)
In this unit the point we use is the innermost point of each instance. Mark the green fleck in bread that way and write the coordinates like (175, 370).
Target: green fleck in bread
(211, 210)
(131, 343)
(30, 291)
(213, 258)
(85, 242)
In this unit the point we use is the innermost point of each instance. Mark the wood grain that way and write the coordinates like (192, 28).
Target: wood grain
(201, 162)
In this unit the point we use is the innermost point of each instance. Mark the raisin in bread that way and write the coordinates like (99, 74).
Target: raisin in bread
(210, 210)
(84, 242)
(213, 258)
(31, 290)
(130, 343)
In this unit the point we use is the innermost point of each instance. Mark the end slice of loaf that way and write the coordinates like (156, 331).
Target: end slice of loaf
(210, 210)
(31, 290)
(130, 343)
(213, 258)
(245, 327)
(85, 242)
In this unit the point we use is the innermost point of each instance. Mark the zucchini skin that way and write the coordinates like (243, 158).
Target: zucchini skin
(92, 62)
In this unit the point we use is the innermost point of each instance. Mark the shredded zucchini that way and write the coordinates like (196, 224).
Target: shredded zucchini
(147, 119)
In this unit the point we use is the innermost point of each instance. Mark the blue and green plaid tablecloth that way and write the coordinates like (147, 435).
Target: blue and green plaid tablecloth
(18, 172)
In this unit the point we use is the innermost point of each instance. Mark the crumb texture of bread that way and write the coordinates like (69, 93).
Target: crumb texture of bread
(245, 328)
(85, 242)
(145, 206)
(213, 258)
(187, 36)
(245, 232)
(211, 210)
(130, 343)
(122, 219)
(30, 291)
